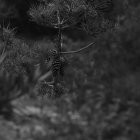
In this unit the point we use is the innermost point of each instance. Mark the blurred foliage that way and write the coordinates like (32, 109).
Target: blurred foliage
(104, 84)
(18, 74)
(15, 9)
(102, 94)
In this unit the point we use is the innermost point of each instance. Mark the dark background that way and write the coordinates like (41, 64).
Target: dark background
(101, 99)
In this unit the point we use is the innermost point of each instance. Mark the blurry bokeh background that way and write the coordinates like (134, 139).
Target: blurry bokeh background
(101, 99)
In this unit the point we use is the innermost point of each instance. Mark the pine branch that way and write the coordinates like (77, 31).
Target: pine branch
(77, 51)
(69, 52)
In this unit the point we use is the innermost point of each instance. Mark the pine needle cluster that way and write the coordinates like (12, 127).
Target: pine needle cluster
(71, 12)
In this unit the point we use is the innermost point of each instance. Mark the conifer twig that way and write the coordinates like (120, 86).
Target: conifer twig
(77, 51)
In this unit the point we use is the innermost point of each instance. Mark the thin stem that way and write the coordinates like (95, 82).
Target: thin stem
(45, 76)
(59, 31)
(77, 51)
(3, 51)
(2, 57)
(5, 48)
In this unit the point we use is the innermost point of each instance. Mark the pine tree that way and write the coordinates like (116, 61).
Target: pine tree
(62, 14)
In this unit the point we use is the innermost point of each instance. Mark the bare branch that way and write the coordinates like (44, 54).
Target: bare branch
(77, 51)
(45, 76)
